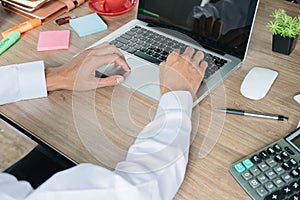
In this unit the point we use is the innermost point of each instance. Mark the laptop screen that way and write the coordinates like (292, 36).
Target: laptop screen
(220, 25)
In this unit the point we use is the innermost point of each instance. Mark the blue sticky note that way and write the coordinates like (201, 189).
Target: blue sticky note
(88, 25)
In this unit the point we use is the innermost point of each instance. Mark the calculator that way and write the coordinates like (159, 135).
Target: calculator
(273, 172)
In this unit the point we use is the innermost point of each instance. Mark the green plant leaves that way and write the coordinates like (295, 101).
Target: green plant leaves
(284, 25)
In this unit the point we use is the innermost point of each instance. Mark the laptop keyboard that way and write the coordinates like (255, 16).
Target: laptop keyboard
(155, 48)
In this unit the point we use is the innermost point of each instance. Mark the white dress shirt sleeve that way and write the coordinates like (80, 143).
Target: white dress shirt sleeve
(153, 170)
(22, 81)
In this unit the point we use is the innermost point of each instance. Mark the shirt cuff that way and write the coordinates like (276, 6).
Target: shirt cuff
(32, 80)
(175, 100)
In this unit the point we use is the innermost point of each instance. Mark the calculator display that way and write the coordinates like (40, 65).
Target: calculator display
(294, 139)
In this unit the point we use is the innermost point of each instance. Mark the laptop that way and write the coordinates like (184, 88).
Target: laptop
(219, 28)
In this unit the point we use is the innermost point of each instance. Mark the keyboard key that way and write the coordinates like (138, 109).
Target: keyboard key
(126, 36)
(131, 50)
(122, 40)
(147, 57)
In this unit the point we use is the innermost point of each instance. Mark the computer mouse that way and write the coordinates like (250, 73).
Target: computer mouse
(258, 82)
(297, 98)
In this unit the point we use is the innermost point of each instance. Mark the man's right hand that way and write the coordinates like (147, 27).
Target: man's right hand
(182, 71)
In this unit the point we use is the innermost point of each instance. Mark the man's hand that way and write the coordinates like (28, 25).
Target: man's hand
(182, 72)
(79, 73)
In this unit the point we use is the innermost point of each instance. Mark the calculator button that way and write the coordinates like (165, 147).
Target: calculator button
(239, 167)
(278, 182)
(255, 171)
(295, 186)
(294, 174)
(270, 187)
(261, 191)
(294, 197)
(286, 190)
(279, 170)
(277, 147)
(247, 163)
(278, 158)
(292, 162)
(284, 155)
(271, 174)
(275, 196)
(271, 162)
(286, 166)
(255, 159)
(254, 183)
(263, 166)
(270, 151)
(247, 175)
(262, 179)
(263, 155)
(289, 150)
(298, 169)
(287, 178)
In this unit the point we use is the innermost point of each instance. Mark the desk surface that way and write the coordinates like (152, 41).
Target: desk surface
(99, 126)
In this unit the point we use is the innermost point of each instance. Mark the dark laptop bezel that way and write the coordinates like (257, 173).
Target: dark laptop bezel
(204, 42)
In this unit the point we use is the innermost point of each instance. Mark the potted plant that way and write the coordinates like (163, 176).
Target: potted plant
(284, 29)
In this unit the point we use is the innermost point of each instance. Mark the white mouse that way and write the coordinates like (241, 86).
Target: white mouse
(257, 82)
(297, 98)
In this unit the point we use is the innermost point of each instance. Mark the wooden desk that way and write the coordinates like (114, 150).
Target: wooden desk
(70, 123)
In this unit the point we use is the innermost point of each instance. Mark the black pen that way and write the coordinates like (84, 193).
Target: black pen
(253, 114)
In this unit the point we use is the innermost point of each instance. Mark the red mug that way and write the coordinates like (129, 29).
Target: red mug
(114, 5)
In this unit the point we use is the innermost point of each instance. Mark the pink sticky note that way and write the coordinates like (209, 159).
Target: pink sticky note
(53, 40)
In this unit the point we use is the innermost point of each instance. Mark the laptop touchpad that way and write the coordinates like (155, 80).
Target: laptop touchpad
(144, 78)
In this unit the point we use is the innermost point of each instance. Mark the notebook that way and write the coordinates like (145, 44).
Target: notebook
(219, 28)
(26, 5)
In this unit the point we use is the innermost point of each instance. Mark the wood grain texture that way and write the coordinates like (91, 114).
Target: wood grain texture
(13, 145)
(99, 126)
